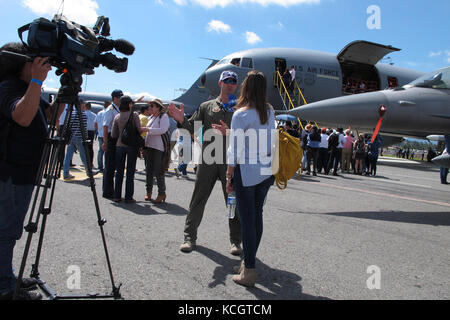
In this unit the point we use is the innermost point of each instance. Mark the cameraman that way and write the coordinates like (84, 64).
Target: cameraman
(23, 126)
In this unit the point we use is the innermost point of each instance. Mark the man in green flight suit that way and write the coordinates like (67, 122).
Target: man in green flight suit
(215, 116)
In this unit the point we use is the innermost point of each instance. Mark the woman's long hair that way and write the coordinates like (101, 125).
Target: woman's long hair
(254, 94)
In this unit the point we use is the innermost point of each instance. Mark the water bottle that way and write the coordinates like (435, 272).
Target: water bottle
(231, 205)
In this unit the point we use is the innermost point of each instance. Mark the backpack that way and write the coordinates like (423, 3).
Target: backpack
(130, 134)
(289, 158)
(315, 136)
(333, 140)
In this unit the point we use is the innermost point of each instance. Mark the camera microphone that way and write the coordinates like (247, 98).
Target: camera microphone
(120, 45)
(13, 55)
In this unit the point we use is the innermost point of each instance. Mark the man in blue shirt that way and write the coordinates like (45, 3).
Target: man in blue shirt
(90, 130)
(99, 128)
(24, 129)
(109, 145)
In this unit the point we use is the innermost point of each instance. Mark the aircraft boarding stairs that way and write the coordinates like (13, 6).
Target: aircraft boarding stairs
(290, 100)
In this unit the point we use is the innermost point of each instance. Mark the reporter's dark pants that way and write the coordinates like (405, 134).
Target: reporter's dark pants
(110, 168)
(14, 203)
(250, 202)
(124, 155)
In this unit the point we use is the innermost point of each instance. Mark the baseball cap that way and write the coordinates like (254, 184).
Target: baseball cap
(228, 74)
(117, 93)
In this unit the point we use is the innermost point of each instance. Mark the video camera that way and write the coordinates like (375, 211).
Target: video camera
(75, 47)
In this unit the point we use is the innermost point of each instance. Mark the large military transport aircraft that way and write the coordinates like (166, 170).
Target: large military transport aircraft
(318, 75)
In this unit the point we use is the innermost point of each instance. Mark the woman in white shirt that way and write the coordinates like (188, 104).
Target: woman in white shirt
(249, 171)
(158, 124)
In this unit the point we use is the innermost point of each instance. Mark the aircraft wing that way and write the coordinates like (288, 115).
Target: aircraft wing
(365, 52)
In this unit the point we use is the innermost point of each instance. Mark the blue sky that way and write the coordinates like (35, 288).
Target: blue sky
(171, 35)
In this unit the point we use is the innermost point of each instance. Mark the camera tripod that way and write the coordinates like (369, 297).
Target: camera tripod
(48, 174)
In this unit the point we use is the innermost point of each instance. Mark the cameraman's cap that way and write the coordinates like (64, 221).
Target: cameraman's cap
(227, 75)
(126, 100)
(117, 93)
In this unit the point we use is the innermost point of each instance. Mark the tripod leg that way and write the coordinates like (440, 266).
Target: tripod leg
(100, 220)
(48, 163)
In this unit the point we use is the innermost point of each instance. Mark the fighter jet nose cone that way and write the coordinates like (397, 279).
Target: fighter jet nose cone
(442, 161)
(343, 111)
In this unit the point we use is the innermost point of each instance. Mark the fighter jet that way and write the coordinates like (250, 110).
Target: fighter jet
(419, 109)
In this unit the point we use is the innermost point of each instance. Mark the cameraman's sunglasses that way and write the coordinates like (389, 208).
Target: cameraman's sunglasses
(230, 81)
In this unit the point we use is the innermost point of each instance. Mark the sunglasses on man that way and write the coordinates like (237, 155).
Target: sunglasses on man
(230, 81)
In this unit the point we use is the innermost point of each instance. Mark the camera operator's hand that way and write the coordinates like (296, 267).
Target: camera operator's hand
(40, 68)
(34, 72)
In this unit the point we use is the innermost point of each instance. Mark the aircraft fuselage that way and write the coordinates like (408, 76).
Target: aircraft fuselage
(319, 75)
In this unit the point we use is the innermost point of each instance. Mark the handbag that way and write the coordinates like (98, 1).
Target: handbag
(130, 134)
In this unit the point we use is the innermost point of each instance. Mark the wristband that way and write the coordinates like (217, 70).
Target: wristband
(39, 82)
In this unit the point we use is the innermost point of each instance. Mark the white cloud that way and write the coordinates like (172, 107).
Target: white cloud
(209, 4)
(147, 96)
(80, 11)
(435, 54)
(252, 38)
(218, 26)
(180, 2)
(445, 54)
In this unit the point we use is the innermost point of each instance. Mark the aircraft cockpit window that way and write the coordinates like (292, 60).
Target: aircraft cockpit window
(247, 63)
(436, 80)
(223, 61)
(236, 61)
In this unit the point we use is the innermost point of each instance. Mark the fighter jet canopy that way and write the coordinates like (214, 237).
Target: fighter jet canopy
(439, 79)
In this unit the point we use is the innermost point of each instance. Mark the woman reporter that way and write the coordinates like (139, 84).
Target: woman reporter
(158, 125)
(249, 171)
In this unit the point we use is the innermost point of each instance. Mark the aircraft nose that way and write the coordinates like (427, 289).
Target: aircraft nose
(211, 79)
(342, 111)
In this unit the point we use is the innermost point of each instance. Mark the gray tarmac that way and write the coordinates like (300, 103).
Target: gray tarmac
(323, 238)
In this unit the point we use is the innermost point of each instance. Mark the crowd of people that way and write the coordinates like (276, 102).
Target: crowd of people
(331, 150)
